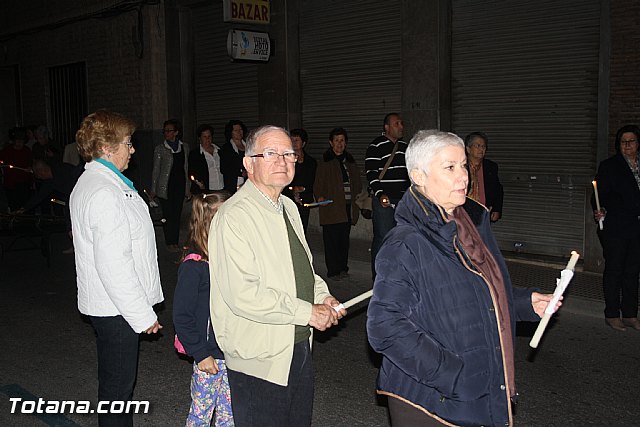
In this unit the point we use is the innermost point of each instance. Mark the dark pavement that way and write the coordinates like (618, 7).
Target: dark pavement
(583, 373)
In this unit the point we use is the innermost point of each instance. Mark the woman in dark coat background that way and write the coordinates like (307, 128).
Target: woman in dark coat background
(231, 155)
(484, 182)
(443, 309)
(337, 179)
(204, 163)
(618, 182)
(169, 180)
(301, 188)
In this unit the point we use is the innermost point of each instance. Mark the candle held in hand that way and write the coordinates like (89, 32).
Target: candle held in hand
(561, 285)
(571, 265)
(597, 196)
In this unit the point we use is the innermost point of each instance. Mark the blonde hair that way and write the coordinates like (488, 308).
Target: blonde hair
(203, 207)
(102, 130)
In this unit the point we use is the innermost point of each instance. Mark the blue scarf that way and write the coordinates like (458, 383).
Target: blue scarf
(173, 144)
(115, 170)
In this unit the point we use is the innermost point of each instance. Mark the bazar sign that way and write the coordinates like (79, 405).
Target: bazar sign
(247, 11)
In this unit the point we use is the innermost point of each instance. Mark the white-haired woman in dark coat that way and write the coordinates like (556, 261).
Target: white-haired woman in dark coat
(443, 310)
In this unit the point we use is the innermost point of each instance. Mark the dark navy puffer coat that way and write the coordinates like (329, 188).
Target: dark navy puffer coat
(433, 318)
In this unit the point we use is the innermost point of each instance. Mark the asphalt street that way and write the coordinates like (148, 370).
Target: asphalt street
(583, 373)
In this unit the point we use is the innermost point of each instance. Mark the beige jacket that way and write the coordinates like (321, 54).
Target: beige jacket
(254, 308)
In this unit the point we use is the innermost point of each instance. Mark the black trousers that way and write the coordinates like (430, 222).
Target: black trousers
(117, 347)
(383, 220)
(336, 247)
(620, 277)
(260, 403)
(171, 212)
(304, 216)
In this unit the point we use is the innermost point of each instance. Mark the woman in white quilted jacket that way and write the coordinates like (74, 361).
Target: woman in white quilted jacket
(116, 260)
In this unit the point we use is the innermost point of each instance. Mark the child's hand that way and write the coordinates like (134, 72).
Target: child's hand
(208, 365)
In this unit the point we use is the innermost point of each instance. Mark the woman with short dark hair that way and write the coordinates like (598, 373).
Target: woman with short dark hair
(337, 179)
(484, 182)
(170, 181)
(231, 155)
(204, 163)
(618, 182)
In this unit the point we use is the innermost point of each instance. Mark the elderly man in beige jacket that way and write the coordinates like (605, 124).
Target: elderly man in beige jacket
(265, 296)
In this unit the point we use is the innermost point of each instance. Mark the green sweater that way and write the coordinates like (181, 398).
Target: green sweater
(255, 304)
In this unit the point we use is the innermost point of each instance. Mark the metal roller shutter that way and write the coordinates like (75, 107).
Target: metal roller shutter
(526, 73)
(350, 53)
(224, 90)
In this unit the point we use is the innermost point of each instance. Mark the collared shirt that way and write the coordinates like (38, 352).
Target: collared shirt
(634, 169)
(216, 181)
(278, 206)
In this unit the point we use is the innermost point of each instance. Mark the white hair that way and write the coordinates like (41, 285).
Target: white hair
(425, 145)
(254, 135)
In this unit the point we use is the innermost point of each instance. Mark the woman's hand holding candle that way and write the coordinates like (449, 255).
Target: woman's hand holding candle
(600, 213)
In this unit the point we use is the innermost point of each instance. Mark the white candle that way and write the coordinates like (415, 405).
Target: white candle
(353, 301)
(595, 192)
(561, 285)
(17, 167)
(571, 265)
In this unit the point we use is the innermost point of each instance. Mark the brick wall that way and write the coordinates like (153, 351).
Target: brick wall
(624, 99)
(117, 78)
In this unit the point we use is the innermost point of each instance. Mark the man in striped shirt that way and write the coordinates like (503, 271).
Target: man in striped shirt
(388, 190)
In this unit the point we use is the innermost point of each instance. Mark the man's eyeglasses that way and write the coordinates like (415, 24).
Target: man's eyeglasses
(272, 156)
(168, 130)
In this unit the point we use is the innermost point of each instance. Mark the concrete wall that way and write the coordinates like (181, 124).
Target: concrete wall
(624, 97)
(279, 80)
(125, 68)
(426, 60)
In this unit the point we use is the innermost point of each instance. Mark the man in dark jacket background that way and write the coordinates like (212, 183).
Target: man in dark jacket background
(388, 190)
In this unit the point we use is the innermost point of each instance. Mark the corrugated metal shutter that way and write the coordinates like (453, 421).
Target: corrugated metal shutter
(225, 90)
(350, 53)
(526, 73)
